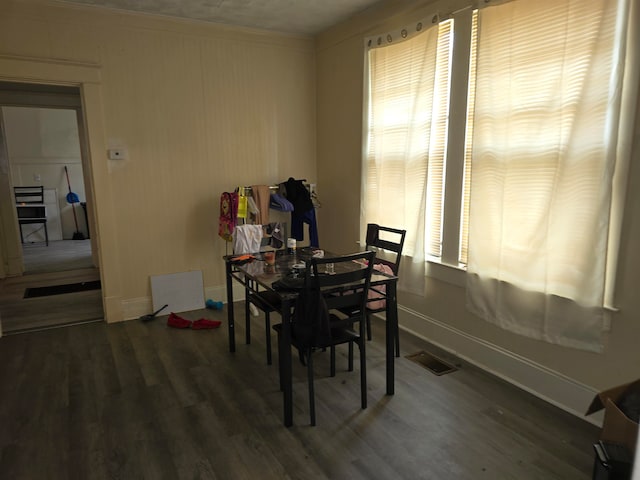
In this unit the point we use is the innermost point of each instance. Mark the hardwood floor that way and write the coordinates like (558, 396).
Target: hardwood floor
(58, 256)
(140, 400)
(21, 314)
(62, 262)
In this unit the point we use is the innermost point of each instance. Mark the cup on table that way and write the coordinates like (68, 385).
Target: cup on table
(291, 246)
(269, 258)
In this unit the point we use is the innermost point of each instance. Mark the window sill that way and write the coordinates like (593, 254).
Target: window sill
(457, 275)
(453, 274)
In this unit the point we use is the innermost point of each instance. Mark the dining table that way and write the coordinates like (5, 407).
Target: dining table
(254, 274)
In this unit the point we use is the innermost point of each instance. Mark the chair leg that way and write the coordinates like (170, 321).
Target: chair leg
(46, 234)
(312, 401)
(280, 356)
(350, 365)
(363, 374)
(247, 319)
(397, 335)
(268, 339)
(332, 368)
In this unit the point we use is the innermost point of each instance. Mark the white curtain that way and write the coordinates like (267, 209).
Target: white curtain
(401, 90)
(547, 117)
(406, 131)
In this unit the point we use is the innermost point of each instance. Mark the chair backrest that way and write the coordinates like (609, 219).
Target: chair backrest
(275, 235)
(386, 238)
(28, 194)
(345, 289)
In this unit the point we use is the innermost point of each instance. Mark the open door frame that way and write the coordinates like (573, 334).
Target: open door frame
(48, 97)
(95, 167)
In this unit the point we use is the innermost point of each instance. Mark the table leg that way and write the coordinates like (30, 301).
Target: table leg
(286, 375)
(392, 328)
(230, 314)
(247, 315)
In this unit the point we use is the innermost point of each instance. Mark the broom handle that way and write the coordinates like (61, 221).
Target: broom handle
(73, 207)
(66, 172)
(75, 220)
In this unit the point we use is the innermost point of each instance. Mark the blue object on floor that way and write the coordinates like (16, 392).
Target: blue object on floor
(210, 304)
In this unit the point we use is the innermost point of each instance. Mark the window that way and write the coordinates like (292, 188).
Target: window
(408, 157)
(408, 108)
(492, 139)
(413, 132)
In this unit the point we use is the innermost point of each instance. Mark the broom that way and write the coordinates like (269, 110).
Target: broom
(72, 198)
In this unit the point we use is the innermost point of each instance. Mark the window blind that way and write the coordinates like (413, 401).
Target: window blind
(406, 138)
(468, 144)
(437, 147)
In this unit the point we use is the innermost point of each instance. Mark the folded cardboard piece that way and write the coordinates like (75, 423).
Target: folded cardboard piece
(617, 427)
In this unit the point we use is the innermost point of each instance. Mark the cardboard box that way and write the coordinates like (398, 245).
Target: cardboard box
(617, 427)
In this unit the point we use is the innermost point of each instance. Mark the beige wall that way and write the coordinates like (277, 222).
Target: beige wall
(199, 108)
(440, 314)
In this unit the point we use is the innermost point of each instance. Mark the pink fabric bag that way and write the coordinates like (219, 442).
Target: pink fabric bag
(376, 298)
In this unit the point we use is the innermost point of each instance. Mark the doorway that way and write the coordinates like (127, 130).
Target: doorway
(41, 139)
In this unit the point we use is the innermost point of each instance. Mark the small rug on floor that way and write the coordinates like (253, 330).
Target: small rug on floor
(61, 289)
(431, 363)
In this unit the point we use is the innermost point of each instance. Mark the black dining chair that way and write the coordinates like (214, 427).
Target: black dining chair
(318, 322)
(31, 208)
(387, 243)
(266, 301)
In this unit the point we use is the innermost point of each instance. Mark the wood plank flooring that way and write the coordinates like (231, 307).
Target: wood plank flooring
(58, 256)
(19, 314)
(140, 400)
(63, 261)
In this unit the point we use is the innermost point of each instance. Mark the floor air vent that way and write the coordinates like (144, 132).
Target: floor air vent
(61, 289)
(431, 363)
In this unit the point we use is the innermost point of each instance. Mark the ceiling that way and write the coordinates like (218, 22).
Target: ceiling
(307, 17)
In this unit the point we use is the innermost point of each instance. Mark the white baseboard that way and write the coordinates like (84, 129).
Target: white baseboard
(551, 386)
(136, 307)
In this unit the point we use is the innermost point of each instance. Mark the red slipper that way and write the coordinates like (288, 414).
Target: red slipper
(204, 323)
(176, 321)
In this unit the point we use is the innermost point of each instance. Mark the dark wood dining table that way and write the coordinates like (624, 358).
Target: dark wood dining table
(256, 274)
